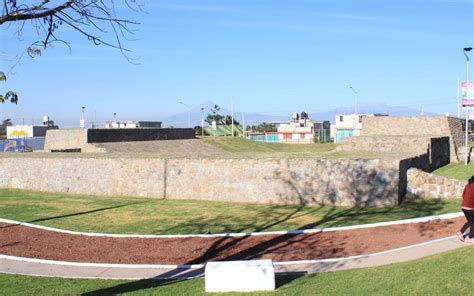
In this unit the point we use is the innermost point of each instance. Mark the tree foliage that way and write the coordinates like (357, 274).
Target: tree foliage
(90, 18)
(9, 96)
(218, 118)
(264, 127)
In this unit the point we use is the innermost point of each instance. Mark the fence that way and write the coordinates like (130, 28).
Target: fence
(22, 144)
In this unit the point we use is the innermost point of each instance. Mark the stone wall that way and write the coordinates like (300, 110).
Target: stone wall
(409, 131)
(390, 144)
(422, 184)
(138, 134)
(84, 139)
(68, 139)
(290, 181)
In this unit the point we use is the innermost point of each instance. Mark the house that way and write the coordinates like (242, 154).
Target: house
(300, 129)
(349, 125)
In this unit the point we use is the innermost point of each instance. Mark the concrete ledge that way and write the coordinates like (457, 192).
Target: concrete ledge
(240, 276)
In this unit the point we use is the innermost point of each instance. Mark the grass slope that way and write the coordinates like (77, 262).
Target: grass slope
(443, 274)
(456, 171)
(237, 144)
(152, 216)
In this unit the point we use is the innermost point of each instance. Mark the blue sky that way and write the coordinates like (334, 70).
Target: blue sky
(269, 56)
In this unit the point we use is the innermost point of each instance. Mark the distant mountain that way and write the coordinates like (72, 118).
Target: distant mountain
(181, 119)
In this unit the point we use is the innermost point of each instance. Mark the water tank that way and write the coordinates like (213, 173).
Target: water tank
(304, 115)
(46, 120)
(295, 116)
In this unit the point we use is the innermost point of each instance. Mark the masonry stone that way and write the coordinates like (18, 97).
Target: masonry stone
(341, 182)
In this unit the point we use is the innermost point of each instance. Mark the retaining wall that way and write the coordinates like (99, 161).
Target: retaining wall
(410, 132)
(138, 134)
(68, 139)
(83, 139)
(290, 181)
(422, 184)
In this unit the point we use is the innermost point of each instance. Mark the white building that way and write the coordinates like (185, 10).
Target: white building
(133, 124)
(350, 125)
(299, 130)
(30, 131)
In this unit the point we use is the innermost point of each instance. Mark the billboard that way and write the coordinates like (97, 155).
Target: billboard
(468, 94)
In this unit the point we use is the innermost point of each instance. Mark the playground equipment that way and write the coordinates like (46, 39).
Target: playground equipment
(18, 144)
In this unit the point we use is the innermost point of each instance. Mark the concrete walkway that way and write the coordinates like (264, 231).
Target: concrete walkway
(37, 267)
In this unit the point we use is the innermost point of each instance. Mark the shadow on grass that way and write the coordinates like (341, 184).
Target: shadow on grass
(364, 192)
(133, 286)
(85, 212)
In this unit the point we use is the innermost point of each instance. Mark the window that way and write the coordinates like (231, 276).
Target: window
(301, 136)
(287, 136)
(360, 118)
(341, 118)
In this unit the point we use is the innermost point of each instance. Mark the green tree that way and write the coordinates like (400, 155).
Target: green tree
(9, 96)
(228, 120)
(215, 116)
(265, 127)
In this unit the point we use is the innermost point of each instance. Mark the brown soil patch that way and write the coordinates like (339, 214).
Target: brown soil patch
(30, 242)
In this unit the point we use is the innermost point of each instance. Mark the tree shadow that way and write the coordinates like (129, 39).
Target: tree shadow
(362, 191)
(85, 212)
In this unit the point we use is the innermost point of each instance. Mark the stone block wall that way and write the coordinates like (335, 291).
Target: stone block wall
(426, 185)
(409, 130)
(67, 139)
(287, 181)
(84, 139)
(391, 144)
(457, 134)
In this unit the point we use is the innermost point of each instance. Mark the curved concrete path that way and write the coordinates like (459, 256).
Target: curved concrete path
(49, 268)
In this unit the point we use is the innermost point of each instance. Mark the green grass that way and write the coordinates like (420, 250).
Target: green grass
(152, 216)
(443, 274)
(456, 171)
(237, 144)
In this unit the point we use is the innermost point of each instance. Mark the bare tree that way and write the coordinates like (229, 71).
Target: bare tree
(91, 18)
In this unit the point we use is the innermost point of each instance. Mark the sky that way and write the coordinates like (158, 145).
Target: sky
(265, 56)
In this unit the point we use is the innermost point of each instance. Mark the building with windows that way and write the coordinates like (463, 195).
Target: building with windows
(349, 125)
(299, 130)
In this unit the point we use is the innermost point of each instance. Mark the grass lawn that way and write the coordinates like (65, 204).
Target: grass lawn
(456, 171)
(442, 274)
(237, 144)
(152, 216)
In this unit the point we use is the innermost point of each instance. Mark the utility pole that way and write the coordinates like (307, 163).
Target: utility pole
(243, 124)
(355, 106)
(202, 122)
(189, 112)
(465, 51)
(459, 100)
(232, 110)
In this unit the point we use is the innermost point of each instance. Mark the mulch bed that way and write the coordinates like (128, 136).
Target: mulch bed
(17, 240)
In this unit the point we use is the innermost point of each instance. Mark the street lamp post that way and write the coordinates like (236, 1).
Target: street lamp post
(189, 112)
(465, 51)
(355, 106)
(202, 122)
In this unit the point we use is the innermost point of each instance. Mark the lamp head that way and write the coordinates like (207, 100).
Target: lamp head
(467, 48)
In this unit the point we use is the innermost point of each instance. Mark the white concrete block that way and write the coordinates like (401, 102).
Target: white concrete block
(240, 276)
